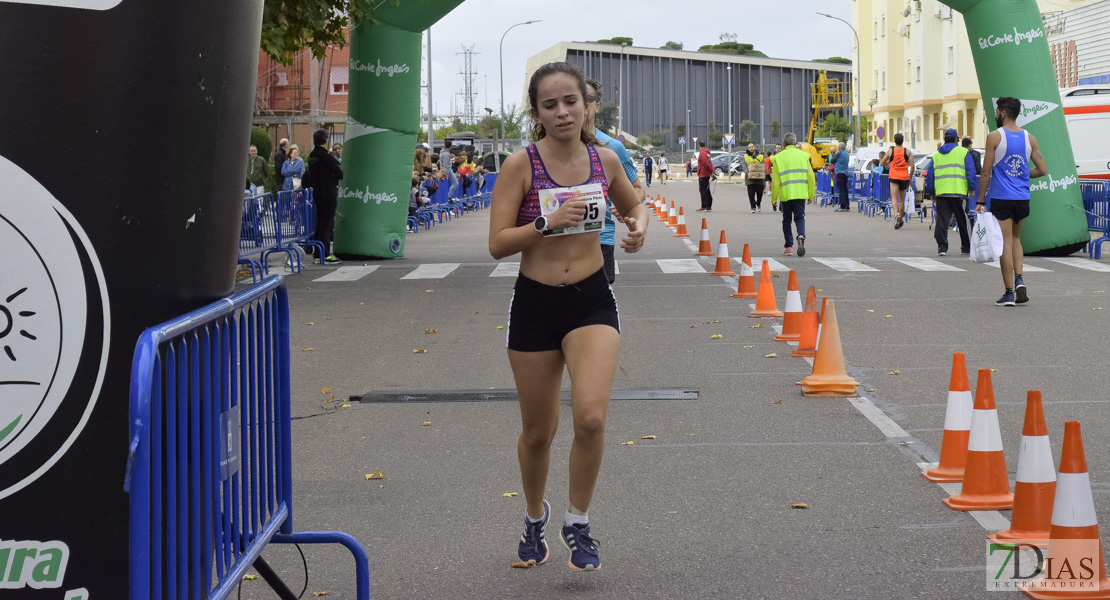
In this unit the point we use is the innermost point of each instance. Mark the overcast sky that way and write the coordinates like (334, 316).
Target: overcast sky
(780, 29)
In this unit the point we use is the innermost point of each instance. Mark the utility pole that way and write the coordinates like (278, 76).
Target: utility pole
(431, 114)
(468, 76)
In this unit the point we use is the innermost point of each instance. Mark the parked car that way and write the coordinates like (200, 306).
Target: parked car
(724, 163)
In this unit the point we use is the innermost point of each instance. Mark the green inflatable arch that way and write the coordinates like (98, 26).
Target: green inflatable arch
(382, 122)
(1012, 58)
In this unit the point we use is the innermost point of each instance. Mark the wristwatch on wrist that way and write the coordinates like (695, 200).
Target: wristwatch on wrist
(541, 224)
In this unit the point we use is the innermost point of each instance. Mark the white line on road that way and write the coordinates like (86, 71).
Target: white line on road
(680, 265)
(506, 269)
(925, 264)
(879, 418)
(1028, 267)
(1082, 263)
(844, 264)
(991, 520)
(352, 273)
(774, 265)
(432, 271)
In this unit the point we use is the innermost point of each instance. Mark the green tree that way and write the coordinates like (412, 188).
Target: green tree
(606, 117)
(835, 59)
(732, 47)
(289, 26)
(672, 45)
(776, 130)
(836, 126)
(654, 139)
(746, 128)
(679, 131)
(616, 41)
(261, 139)
(715, 136)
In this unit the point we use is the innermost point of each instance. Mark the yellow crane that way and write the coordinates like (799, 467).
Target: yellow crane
(826, 94)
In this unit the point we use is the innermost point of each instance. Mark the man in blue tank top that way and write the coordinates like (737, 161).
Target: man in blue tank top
(608, 233)
(1006, 175)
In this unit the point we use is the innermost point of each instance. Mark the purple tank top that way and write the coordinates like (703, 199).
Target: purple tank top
(530, 208)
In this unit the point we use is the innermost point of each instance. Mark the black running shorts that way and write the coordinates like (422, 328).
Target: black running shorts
(540, 315)
(1003, 209)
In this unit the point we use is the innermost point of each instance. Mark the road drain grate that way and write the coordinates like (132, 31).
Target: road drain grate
(510, 395)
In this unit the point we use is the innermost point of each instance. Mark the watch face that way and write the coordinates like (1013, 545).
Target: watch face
(541, 224)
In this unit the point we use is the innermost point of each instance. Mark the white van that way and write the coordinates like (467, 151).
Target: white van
(1087, 113)
(865, 155)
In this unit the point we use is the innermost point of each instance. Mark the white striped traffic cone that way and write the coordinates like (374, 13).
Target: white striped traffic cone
(745, 284)
(957, 426)
(792, 312)
(1074, 537)
(1035, 487)
(680, 229)
(724, 268)
(672, 216)
(986, 480)
(704, 249)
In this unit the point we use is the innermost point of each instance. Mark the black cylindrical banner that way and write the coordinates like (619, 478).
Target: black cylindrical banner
(124, 126)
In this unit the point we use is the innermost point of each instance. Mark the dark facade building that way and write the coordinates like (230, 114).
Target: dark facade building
(666, 89)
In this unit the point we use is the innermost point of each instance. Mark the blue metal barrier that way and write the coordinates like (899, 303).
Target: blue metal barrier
(1096, 203)
(295, 223)
(209, 472)
(256, 236)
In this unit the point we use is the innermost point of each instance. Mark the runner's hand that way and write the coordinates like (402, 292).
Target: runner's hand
(635, 238)
(569, 214)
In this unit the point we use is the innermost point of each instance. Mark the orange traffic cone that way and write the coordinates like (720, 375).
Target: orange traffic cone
(986, 482)
(1073, 539)
(792, 313)
(807, 344)
(745, 288)
(957, 426)
(1035, 488)
(681, 227)
(829, 377)
(724, 267)
(765, 305)
(703, 245)
(672, 216)
(657, 205)
(663, 213)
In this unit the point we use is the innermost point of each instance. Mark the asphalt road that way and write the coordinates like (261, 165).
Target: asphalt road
(704, 509)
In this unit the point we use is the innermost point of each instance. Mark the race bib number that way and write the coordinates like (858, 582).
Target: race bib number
(552, 199)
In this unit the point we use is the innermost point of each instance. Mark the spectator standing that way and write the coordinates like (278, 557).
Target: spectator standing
(755, 174)
(1006, 174)
(608, 232)
(900, 161)
(951, 178)
(649, 164)
(280, 156)
(976, 156)
(689, 167)
(293, 169)
(793, 182)
(446, 166)
(663, 169)
(324, 175)
(840, 163)
(705, 171)
(258, 171)
(337, 152)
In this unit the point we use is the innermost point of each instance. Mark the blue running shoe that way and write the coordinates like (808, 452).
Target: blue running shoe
(1020, 293)
(1007, 299)
(533, 547)
(583, 548)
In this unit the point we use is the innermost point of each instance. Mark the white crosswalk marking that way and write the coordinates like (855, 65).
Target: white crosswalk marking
(844, 264)
(432, 271)
(680, 265)
(352, 273)
(1081, 263)
(1028, 267)
(506, 269)
(925, 264)
(757, 264)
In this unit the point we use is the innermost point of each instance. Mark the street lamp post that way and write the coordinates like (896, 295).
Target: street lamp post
(689, 136)
(501, 71)
(620, 88)
(856, 65)
(729, 69)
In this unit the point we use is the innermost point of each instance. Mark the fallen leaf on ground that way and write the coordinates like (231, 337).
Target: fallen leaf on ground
(309, 350)
(775, 275)
(799, 505)
(425, 423)
(524, 564)
(325, 390)
(715, 321)
(888, 316)
(871, 310)
(321, 593)
(771, 355)
(1097, 308)
(419, 351)
(375, 475)
(756, 326)
(716, 336)
(647, 437)
(820, 290)
(249, 577)
(628, 443)
(344, 406)
(870, 390)
(993, 370)
(777, 402)
(430, 331)
(429, 291)
(510, 494)
(1101, 292)
(500, 326)
(895, 373)
(310, 323)
(693, 327)
(749, 346)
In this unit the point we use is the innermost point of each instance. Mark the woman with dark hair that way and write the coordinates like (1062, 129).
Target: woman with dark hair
(563, 312)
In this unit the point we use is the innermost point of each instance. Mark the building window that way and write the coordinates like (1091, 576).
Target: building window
(936, 125)
(875, 29)
(882, 29)
(339, 81)
(951, 59)
(970, 123)
(919, 72)
(884, 79)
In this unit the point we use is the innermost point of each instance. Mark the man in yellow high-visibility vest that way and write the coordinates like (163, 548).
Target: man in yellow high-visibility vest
(793, 183)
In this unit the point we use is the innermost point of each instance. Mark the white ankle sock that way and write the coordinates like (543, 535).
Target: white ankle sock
(572, 519)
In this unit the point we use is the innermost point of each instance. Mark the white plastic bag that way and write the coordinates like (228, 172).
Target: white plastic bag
(910, 211)
(986, 239)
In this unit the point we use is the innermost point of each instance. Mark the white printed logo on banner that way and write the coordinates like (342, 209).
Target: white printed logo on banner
(86, 4)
